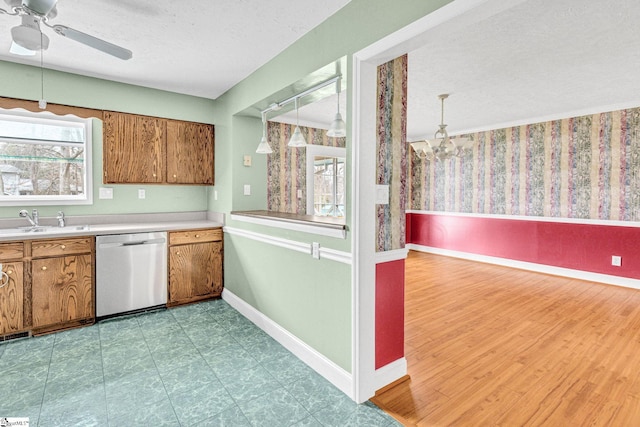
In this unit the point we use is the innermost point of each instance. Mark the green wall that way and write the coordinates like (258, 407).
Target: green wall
(310, 298)
(69, 89)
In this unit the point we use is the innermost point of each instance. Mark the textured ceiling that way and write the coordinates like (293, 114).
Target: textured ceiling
(200, 48)
(502, 62)
(507, 63)
(539, 59)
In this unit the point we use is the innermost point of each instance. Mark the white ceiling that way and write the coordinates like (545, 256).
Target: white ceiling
(199, 48)
(507, 63)
(502, 63)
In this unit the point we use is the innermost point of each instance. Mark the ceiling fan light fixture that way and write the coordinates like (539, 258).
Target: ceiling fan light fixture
(16, 49)
(29, 37)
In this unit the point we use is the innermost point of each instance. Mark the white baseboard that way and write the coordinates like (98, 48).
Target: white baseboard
(319, 363)
(390, 373)
(540, 268)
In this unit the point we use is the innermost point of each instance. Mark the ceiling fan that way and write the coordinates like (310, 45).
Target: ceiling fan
(29, 38)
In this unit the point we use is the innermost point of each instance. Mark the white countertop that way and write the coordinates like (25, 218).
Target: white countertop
(90, 226)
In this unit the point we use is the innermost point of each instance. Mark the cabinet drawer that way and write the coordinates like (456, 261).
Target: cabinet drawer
(61, 247)
(195, 236)
(11, 251)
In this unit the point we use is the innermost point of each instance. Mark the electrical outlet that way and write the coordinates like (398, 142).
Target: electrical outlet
(616, 261)
(247, 189)
(315, 250)
(215, 194)
(142, 193)
(105, 193)
(299, 194)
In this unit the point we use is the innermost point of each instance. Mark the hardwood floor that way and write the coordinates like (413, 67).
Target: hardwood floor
(489, 345)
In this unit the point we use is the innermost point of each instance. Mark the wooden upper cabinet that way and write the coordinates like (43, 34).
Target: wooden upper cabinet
(189, 153)
(151, 150)
(134, 148)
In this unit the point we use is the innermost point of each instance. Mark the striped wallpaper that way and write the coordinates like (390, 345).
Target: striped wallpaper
(581, 167)
(391, 153)
(287, 168)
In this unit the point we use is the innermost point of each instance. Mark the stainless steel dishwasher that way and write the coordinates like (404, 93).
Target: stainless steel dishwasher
(131, 272)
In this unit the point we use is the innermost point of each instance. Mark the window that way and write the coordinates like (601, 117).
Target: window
(326, 181)
(44, 159)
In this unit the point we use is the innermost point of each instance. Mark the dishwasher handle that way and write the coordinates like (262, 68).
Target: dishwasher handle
(140, 242)
(132, 243)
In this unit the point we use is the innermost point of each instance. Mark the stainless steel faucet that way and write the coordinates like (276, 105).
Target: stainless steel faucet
(33, 218)
(60, 219)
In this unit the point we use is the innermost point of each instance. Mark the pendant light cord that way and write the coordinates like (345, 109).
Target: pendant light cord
(42, 103)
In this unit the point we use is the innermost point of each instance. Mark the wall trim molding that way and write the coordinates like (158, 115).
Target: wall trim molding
(316, 361)
(390, 373)
(606, 222)
(539, 268)
(325, 253)
(392, 255)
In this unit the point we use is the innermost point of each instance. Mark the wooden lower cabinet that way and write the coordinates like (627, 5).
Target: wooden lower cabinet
(12, 297)
(62, 291)
(12, 286)
(195, 265)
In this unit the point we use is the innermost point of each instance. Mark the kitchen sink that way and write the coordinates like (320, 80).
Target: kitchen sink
(42, 229)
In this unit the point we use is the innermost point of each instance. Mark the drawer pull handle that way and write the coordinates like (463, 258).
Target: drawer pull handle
(44, 268)
(63, 247)
(4, 278)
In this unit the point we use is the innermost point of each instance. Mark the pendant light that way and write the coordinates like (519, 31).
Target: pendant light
(297, 140)
(338, 127)
(264, 147)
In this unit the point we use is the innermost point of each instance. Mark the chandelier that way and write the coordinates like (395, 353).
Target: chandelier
(442, 146)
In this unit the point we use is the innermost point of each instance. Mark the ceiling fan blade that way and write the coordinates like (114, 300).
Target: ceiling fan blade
(94, 42)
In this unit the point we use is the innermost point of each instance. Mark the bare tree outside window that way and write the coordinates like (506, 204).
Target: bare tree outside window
(43, 159)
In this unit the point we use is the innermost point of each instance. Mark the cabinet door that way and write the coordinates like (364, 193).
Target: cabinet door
(189, 153)
(11, 298)
(195, 271)
(133, 148)
(62, 289)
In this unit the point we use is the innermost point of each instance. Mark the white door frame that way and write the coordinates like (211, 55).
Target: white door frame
(363, 152)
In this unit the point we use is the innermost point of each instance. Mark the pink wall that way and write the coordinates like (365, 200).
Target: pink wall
(583, 247)
(389, 312)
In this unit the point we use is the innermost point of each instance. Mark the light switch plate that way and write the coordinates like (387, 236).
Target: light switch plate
(247, 161)
(247, 189)
(105, 193)
(382, 194)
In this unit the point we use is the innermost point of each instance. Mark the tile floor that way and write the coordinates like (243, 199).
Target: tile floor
(197, 365)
